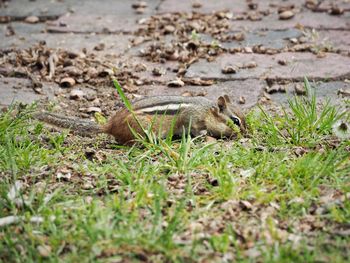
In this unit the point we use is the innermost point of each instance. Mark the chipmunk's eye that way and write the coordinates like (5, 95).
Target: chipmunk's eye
(236, 120)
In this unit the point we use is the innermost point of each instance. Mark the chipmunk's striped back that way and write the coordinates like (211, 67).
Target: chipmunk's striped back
(170, 105)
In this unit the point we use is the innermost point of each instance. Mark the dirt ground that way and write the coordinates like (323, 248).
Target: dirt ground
(67, 52)
(223, 204)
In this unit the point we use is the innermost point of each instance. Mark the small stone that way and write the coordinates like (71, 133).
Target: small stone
(44, 250)
(73, 55)
(311, 4)
(275, 89)
(293, 40)
(196, 5)
(335, 10)
(9, 31)
(140, 67)
(175, 56)
(213, 181)
(64, 176)
(158, 71)
(31, 19)
(344, 92)
(251, 64)
(139, 82)
(254, 16)
(240, 36)
(300, 89)
(93, 109)
(87, 186)
(67, 82)
(229, 69)
(221, 14)
(72, 71)
(266, 96)
(200, 82)
(247, 173)
(5, 19)
(202, 93)
(248, 50)
(288, 14)
(140, 4)
(245, 205)
(139, 10)
(169, 29)
(252, 253)
(282, 62)
(138, 40)
(192, 45)
(241, 100)
(130, 88)
(176, 83)
(187, 94)
(100, 47)
(252, 5)
(106, 72)
(321, 54)
(76, 94)
(282, 89)
(303, 39)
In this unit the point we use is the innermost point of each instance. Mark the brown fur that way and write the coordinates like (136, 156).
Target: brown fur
(204, 116)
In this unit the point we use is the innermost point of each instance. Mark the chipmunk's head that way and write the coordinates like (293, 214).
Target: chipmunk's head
(230, 120)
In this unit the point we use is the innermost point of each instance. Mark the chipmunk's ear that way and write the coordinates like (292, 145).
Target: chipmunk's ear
(222, 104)
(227, 98)
(215, 111)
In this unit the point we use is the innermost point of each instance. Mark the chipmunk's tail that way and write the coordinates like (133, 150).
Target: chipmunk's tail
(78, 126)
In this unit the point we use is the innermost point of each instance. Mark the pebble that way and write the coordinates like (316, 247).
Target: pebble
(176, 83)
(44, 250)
(76, 94)
(251, 64)
(293, 40)
(282, 62)
(286, 15)
(321, 54)
(299, 89)
(335, 10)
(229, 70)
(240, 36)
(67, 82)
(248, 50)
(169, 29)
(105, 72)
(196, 5)
(303, 39)
(140, 10)
(158, 71)
(72, 71)
(5, 19)
(93, 109)
(275, 89)
(241, 100)
(140, 4)
(31, 19)
(344, 92)
(100, 47)
(187, 94)
(87, 186)
(252, 5)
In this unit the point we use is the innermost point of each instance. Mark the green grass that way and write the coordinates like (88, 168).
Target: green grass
(281, 195)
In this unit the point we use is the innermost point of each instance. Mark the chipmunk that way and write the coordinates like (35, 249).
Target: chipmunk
(198, 114)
